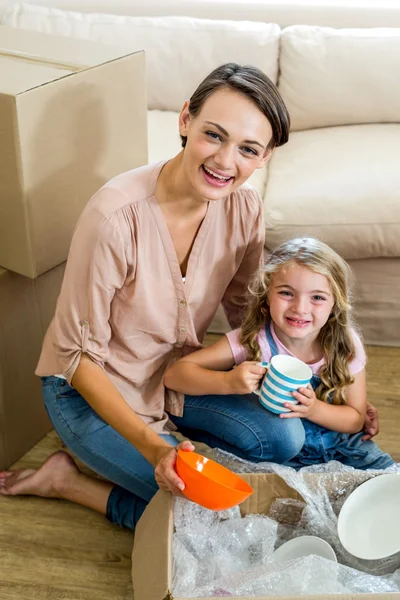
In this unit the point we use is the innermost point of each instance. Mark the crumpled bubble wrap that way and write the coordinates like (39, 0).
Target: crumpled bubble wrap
(307, 575)
(319, 515)
(209, 545)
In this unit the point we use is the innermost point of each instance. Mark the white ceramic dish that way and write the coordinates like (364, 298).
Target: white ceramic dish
(369, 523)
(304, 546)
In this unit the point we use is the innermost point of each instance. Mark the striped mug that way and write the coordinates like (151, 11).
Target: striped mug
(285, 374)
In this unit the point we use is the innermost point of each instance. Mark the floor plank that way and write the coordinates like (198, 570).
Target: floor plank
(53, 550)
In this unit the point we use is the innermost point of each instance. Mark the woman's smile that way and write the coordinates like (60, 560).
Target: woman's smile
(215, 178)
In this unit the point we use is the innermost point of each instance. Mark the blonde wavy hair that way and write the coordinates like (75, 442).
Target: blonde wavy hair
(335, 336)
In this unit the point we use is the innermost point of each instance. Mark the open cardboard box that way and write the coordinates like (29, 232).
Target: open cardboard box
(152, 551)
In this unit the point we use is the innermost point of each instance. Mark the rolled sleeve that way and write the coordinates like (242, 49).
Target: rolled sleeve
(96, 268)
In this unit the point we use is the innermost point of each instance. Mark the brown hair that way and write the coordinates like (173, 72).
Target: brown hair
(335, 336)
(255, 85)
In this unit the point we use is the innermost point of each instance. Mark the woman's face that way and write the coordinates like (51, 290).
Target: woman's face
(226, 142)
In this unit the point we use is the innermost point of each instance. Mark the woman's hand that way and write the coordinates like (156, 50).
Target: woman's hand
(165, 473)
(245, 378)
(308, 403)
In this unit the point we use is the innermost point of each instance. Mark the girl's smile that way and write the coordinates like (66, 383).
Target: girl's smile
(293, 322)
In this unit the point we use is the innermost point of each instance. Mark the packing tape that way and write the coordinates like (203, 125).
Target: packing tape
(41, 59)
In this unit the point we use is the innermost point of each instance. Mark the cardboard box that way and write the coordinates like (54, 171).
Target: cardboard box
(26, 308)
(152, 550)
(73, 114)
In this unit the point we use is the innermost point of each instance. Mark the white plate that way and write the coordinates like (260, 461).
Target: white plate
(304, 546)
(369, 522)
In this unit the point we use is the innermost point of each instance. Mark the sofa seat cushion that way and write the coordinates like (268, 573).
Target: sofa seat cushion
(164, 142)
(340, 76)
(340, 184)
(180, 51)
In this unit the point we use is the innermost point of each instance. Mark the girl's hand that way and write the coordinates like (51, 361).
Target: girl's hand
(165, 473)
(245, 378)
(307, 407)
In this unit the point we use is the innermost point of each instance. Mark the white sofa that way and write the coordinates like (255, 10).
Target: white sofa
(338, 178)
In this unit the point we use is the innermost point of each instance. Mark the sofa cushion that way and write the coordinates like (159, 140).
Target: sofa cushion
(164, 143)
(341, 185)
(340, 76)
(180, 51)
(163, 135)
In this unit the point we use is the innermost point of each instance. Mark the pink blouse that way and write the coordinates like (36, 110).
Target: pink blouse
(123, 301)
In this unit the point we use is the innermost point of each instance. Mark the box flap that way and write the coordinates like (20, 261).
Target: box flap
(30, 59)
(267, 487)
(151, 561)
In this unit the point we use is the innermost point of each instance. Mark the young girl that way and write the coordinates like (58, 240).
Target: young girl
(300, 306)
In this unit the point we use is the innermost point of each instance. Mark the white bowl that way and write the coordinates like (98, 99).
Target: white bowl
(369, 523)
(304, 546)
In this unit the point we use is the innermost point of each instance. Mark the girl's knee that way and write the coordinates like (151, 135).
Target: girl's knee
(290, 442)
(279, 442)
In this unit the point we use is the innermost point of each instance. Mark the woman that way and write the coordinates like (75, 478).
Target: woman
(154, 253)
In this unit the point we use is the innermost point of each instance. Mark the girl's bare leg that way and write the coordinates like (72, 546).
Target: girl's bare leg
(58, 477)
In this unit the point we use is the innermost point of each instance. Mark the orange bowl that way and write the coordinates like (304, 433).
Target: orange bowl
(209, 483)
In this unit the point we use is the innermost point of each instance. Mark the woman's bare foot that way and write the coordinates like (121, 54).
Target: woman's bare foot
(58, 477)
(52, 480)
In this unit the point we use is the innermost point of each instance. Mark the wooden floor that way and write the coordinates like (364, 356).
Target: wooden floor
(53, 550)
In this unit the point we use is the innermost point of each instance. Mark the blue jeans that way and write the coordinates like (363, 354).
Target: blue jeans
(323, 445)
(237, 424)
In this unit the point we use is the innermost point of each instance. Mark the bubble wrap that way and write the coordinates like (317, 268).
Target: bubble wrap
(211, 545)
(221, 554)
(307, 575)
(319, 515)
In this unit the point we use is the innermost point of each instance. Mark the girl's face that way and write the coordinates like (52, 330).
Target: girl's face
(226, 142)
(300, 301)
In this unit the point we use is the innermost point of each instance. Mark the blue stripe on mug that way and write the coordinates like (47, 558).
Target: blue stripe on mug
(274, 393)
(267, 397)
(288, 379)
(284, 388)
(271, 406)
